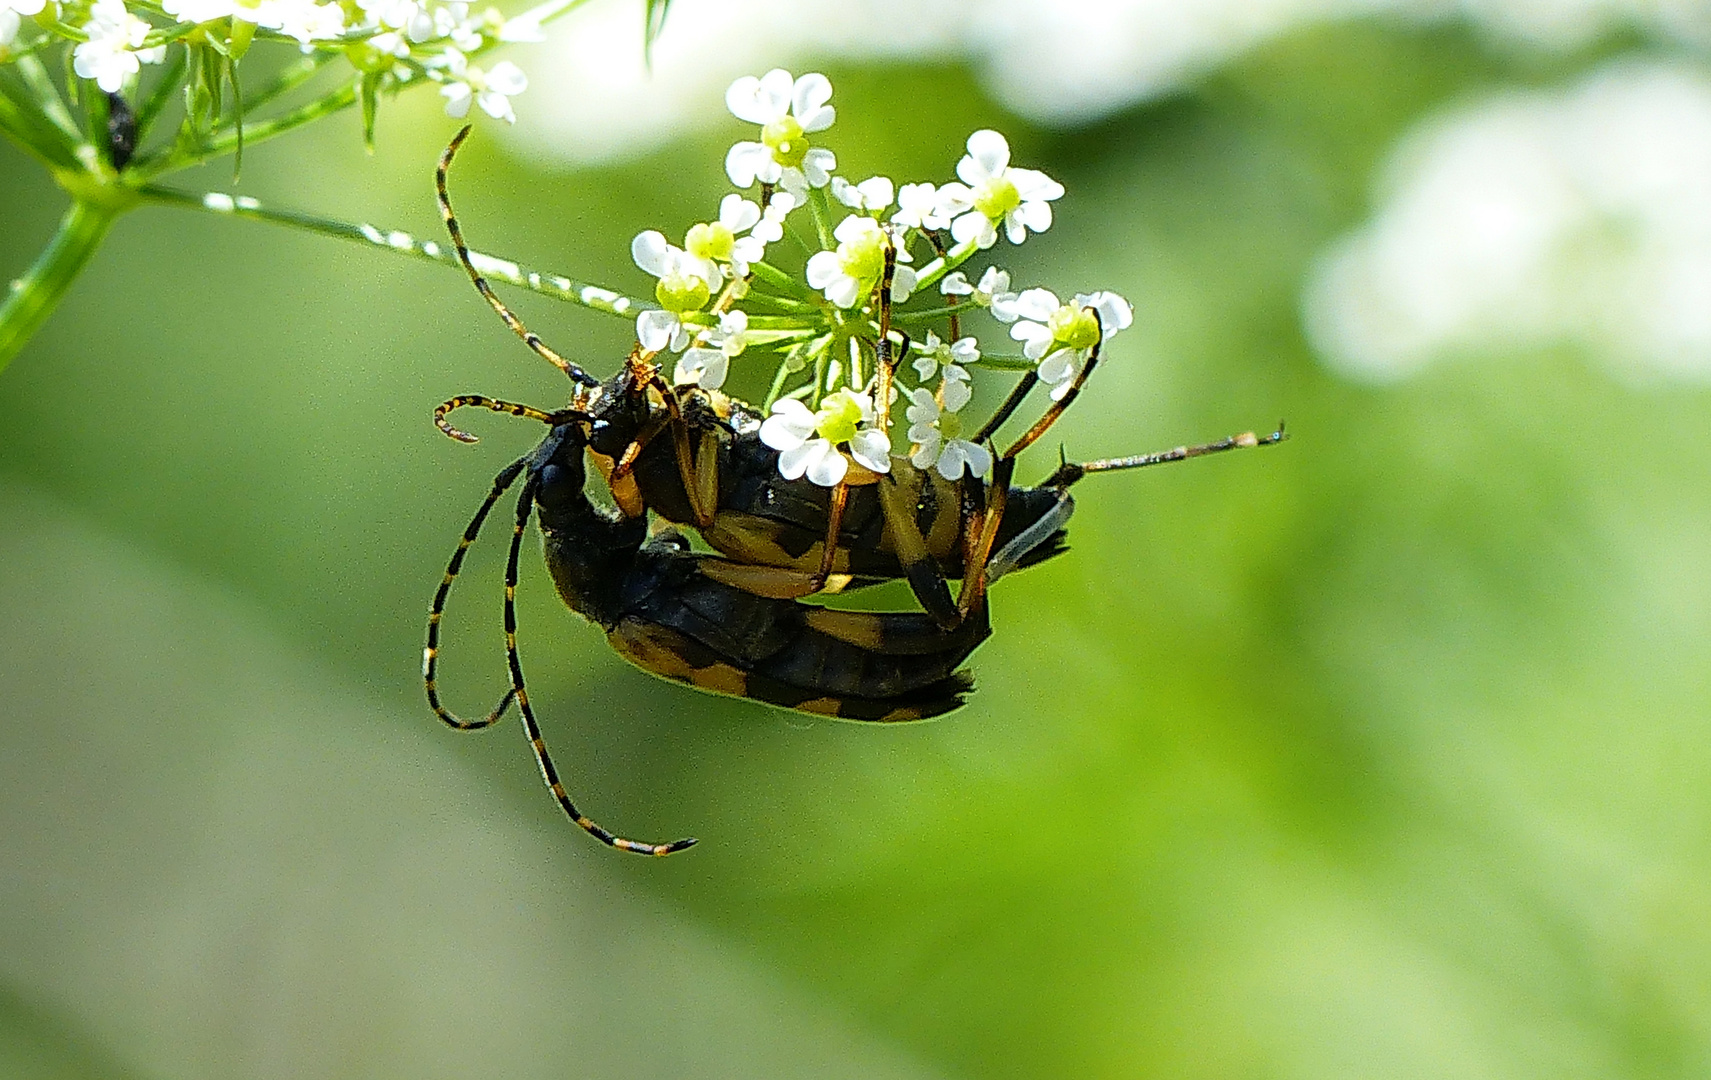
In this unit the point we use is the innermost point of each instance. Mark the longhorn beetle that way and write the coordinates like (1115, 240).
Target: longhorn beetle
(791, 538)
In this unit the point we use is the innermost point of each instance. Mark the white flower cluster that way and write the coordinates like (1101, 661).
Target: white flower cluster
(825, 327)
(396, 39)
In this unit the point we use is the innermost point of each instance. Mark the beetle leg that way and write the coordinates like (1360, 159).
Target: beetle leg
(700, 478)
(626, 461)
(834, 529)
(431, 652)
(531, 727)
(974, 577)
(1058, 406)
(773, 582)
(897, 503)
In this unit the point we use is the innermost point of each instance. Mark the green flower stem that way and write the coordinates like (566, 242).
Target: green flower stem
(1005, 363)
(47, 97)
(913, 318)
(164, 91)
(23, 125)
(261, 131)
(930, 274)
(820, 206)
(553, 285)
(33, 297)
(768, 274)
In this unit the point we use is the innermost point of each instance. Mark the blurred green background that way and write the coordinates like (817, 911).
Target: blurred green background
(1381, 753)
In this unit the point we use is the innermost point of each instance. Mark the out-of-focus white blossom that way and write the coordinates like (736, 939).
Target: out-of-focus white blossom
(111, 55)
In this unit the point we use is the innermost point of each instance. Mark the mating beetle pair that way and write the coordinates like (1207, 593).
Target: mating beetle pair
(733, 622)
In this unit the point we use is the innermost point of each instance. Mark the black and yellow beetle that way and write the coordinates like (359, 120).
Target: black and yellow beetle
(694, 458)
(732, 623)
(665, 612)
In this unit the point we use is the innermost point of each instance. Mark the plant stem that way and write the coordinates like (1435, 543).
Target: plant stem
(33, 297)
(402, 243)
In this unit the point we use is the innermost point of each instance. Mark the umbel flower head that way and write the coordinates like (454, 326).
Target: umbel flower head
(829, 330)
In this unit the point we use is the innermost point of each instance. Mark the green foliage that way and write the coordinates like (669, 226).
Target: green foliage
(1378, 754)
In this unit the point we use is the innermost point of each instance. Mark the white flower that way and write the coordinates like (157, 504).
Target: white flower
(848, 274)
(935, 352)
(408, 17)
(771, 227)
(111, 56)
(935, 429)
(304, 20)
(23, 7)
(787, 110)
(992, 292)
(9, 23)
(201, 11)
(844, 417)
(1060, 335)
(871, 194)
(919, 207)
(995, 193)
(453, 21)
(492, 90)
(707, 367)
(685, 285)
(717, 244)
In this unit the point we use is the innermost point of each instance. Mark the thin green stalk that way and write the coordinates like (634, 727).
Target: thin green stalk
(23, 126)
(164, 90)
(768, 274)
(258, 132)
(554, 285)
(47, 96)
(33, 297)
(929, 275)
(926, 315)
(820, 206)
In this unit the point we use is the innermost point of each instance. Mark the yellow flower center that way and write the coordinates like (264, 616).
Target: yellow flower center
(950, 426)
(681, 293)
(997, 197)
(785, 139)
(838, 418)
(710, 241)
(864, 257)
(1074, 326)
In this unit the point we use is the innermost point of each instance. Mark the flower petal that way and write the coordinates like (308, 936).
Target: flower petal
(650, 249)
(1036, 304)
(788, 427)
(655, 329)
(745, 161)
(956, 394)
(818, 164)
(1033, 185)
(872, 448)
(988, 155)
(826, 466)
(808, 102)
